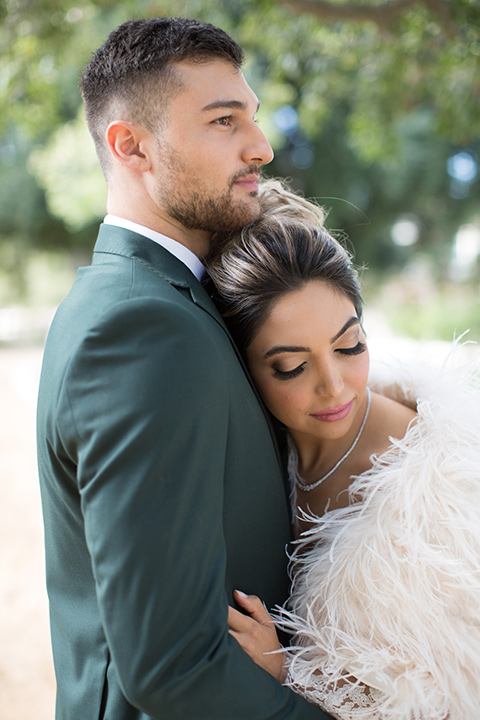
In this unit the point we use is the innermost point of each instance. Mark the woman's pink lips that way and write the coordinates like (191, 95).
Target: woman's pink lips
(333, 414)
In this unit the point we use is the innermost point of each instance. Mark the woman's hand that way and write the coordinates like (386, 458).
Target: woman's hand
(257, 635)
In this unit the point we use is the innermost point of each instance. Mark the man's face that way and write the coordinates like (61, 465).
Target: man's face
(210, 150)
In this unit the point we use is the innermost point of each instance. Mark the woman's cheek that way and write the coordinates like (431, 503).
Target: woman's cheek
(288, 405)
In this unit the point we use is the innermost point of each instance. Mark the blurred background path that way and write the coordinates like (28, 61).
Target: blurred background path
(27, 685)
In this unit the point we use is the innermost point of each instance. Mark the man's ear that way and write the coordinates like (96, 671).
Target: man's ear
(128, 145)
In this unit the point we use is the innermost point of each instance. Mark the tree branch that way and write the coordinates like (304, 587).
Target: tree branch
(382, 15)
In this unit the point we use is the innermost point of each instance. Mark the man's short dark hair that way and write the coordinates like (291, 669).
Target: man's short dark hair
(133, 72)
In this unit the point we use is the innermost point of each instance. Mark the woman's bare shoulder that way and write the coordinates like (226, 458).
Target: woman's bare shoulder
(388, 418)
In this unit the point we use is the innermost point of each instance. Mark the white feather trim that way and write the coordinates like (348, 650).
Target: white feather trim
(390, 591)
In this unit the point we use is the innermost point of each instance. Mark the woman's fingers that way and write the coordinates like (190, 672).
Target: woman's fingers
(237, 621)
(253, 605)
(256, 634)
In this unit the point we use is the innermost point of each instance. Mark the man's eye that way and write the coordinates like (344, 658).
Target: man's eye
(289, 374)
(225, 121)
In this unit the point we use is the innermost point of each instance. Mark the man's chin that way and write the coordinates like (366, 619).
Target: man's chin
(245, 219)
(227, 229)
(225, 215)
(251, 208)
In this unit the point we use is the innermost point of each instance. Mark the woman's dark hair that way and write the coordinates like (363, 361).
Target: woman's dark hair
(277, 254)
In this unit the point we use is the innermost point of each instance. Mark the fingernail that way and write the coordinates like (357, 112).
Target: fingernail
(242, 594)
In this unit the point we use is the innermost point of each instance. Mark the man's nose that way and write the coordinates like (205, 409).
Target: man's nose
(257, 150)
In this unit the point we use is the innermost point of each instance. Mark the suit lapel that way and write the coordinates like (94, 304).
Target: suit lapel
(119, 241)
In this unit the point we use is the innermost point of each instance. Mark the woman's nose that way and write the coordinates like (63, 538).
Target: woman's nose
(330, 383)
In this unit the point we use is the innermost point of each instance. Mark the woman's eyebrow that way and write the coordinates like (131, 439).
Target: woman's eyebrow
(285, 349)
(348, 324)
(277, 349)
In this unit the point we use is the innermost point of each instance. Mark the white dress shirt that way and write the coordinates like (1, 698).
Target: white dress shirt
(175, 248)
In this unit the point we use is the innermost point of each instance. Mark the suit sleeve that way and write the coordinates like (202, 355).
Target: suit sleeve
(151, 476)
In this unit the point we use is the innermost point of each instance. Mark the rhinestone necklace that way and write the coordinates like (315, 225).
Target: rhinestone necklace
(293, 457)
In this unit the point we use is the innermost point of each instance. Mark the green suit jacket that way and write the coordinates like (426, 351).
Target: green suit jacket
(161, 492)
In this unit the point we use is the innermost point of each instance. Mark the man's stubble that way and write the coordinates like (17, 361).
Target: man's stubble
(187, 200)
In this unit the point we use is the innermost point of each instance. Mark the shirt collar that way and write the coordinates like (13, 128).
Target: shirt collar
(175, 248)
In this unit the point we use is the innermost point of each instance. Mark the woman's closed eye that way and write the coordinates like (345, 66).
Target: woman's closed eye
(359, 348)
(289, 374)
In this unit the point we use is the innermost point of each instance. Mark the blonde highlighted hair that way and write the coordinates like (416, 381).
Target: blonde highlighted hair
(287, 247)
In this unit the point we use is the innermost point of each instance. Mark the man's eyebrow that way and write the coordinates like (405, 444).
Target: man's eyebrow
(353, 321)
(284, 349)
(232, 104)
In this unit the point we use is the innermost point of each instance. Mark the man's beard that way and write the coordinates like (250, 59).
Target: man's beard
(220, 214)
(198, 209)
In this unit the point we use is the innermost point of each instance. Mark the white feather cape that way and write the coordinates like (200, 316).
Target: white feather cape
(390, 592)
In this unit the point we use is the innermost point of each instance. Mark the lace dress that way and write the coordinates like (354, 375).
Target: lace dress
(348, 701)
(385, 609)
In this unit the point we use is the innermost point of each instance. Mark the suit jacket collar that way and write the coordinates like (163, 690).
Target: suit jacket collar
(119, 241)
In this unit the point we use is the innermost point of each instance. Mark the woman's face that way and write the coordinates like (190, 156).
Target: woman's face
(310, 361)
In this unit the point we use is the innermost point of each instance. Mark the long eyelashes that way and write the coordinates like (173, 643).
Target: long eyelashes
(288, 374)
(359, 348)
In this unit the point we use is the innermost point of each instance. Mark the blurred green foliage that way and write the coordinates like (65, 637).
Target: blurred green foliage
(364, 114)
